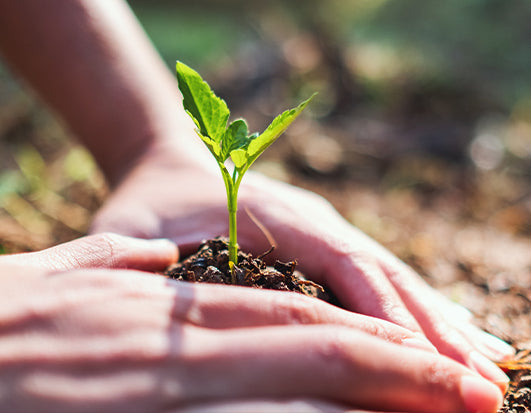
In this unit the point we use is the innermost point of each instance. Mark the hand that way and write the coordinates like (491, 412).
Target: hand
(187, 204)
(104, 250)
(123, 340)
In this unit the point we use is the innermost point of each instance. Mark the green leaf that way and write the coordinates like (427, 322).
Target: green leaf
(235, 138)
(239, 157)
(274, 130)
(211, 145)
(209, 112)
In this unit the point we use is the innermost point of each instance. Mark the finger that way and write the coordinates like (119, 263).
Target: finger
(334, 364)
(222, 307)
(460, 318)
(104, 250)
(362, 286)
(267, 406)
(445, 336)
(455, 315)
(453, 311)
(487, 344)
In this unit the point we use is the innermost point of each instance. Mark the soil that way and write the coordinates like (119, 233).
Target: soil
(211, 264)
(518, 397)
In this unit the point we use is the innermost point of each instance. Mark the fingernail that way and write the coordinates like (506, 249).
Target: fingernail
(160, 248)
(157, 243)
(489, 370)
(419, 343)
(163, 242)
(495, 347)
(480, 396)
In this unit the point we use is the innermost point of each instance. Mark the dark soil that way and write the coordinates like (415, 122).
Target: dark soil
(211, 264)
(518, 397)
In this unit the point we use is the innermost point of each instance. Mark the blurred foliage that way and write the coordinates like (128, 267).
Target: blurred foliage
(49, 185)
(189, 32)
(484, 42)
(430, 73)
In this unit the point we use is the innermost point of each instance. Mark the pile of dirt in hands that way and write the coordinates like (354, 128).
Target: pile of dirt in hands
(210, 264)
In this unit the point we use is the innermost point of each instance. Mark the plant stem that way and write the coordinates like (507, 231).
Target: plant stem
(233, 228)
(232, 206)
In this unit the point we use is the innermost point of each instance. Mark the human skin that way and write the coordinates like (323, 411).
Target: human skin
(90, 335)
(91, 62)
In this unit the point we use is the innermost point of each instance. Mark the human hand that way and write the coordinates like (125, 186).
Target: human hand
(365, 277)
(123, 340)
(104, 250)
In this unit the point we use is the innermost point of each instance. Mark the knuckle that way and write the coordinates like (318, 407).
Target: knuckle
(376, 328)
(438, 379)
(295, 309)
(335, 351)
(358, 256)
(102, 248)
(104, 240)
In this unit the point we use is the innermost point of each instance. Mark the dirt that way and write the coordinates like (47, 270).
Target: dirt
(211, 264)
(518, 397)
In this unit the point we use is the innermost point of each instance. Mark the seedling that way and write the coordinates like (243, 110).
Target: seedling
(211, 115)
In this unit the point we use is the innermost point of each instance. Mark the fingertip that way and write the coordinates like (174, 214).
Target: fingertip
(495, 348)
(153, 254)
(480, 395)
(168, 247)
(109, 250)
(488, 370)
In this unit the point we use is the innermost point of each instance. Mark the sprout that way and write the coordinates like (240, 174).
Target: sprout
(211, 115)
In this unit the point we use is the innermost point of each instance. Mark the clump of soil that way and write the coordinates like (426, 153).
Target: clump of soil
(211, 264)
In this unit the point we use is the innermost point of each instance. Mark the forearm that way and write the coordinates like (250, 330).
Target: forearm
(90, 60)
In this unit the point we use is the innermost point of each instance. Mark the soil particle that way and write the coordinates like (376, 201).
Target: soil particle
(517, 401)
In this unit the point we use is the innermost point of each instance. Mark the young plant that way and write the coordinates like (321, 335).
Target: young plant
(211, 115)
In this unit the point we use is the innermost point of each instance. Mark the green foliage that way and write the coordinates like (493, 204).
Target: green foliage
(197, 32)
(211, 114)
(11, 182)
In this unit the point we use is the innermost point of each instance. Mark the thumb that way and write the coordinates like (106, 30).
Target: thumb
(105, 250)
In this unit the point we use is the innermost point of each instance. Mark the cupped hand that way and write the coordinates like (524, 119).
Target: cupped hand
(123, 340)
(187, 204)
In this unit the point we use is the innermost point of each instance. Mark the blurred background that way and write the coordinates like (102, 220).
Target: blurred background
(420, 134)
